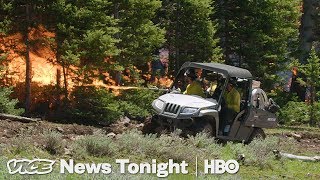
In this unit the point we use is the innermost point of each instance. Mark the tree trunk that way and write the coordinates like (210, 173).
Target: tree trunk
(306, 29)
(116, 16)
(18, 118)
(312, 98)
(65, 82)
(279, 154)
(28, 65)
(63, 64)
(177, 38)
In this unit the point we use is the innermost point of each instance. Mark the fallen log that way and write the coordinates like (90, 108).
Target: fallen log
(18, 118)
(279, 154)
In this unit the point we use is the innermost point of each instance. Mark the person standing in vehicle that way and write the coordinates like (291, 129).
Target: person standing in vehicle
(232, 105)
(194, 87)
(232, 98)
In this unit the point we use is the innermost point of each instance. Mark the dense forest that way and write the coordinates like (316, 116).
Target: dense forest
(113, 42)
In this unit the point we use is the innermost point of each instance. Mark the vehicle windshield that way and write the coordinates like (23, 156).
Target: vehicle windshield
(201, 82)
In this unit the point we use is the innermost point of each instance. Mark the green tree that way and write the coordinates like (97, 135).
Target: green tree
(260, 35)
(311, 72)
(307, 28)
(190, 31)
(7, 105)
(139, 36)
(5, 8)
(317, 21)
(84, 36)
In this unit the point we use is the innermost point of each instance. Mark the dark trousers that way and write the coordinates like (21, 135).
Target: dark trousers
(226, 117)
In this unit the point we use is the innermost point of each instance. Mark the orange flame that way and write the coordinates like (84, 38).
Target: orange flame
(43, 60)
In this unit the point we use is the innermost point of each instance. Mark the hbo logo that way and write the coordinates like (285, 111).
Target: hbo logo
(219, 166)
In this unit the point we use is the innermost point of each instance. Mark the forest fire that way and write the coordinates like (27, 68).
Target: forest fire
(45, 70)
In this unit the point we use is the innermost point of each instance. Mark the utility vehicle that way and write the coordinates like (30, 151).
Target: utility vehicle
(193, 114)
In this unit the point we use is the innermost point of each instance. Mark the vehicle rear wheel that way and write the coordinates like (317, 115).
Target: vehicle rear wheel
(257, 133)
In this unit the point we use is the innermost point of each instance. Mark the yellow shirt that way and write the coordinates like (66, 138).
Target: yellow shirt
(194, 89)
(212, 88)
(232, 99)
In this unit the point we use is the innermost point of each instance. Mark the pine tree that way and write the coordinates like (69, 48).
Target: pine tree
(259, 35)
(84, 36)
(139, 36)
(5, 8)
(190, 31)
(317, 21)
(307, 28)
(311, 71)
(7, 105)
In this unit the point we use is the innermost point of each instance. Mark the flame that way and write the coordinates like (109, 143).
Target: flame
(45, 70)
(294, 71)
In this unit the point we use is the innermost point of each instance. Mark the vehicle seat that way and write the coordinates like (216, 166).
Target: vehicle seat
(239, 115)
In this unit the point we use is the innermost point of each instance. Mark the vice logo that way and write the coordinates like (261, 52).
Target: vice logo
(26, 166)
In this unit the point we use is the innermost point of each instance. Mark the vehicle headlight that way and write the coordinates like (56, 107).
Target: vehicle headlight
(189, 110)
(159, 104)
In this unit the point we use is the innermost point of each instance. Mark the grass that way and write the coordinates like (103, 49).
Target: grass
(259, 162)
(312, 132)
(54, 143)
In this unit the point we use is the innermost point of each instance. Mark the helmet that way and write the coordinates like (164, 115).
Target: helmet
(190, 73)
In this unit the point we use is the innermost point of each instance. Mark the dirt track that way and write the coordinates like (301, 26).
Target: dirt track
(10, 130)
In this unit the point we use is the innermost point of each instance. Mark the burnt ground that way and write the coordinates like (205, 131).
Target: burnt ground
(35, 131)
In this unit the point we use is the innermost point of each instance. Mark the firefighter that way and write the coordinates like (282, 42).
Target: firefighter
(232, 105)
(194, 87)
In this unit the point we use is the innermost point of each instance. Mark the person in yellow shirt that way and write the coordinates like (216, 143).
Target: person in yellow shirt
(194, 87)
(232, 106)
(212, 87)
(232, 98)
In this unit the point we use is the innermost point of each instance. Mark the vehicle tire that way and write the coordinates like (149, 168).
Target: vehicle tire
(204, 125)
(150, 126)
(257, 133)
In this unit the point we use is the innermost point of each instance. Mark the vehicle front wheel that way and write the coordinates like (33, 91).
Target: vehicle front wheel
(205, 126)
(152, 126)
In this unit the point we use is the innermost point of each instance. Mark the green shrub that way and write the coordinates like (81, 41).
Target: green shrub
(171, 146)
(282, 97)
(258, 153)
(296, 113)
(93, 145)
(7, 105)
(261, 151)
(93, 104)
(54, 142)
(133, 111)
(97, 105)
(138, 101)
(20, 145)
